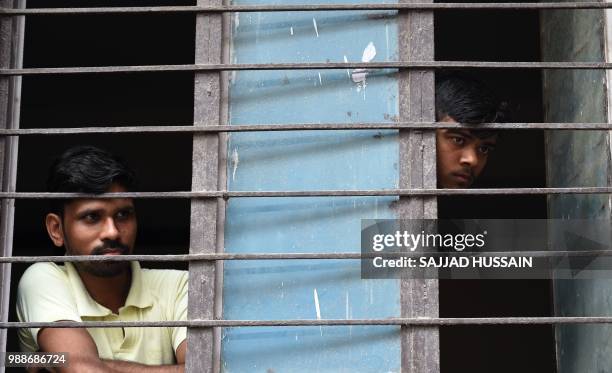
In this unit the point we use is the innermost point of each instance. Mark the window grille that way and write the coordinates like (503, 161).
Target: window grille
(417, 189)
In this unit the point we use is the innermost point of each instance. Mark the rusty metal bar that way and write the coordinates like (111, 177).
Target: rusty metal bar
(298, 127)
(290, 256)
(312, 193)
(205, 176)
(406, 321)
(420, 347)
(304, 8)
(203, 67)
(11, 56)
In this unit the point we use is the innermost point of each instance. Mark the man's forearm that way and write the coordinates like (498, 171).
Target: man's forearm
(121, 366)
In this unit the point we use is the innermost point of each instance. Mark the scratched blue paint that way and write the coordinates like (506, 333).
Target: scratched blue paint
(309, 161)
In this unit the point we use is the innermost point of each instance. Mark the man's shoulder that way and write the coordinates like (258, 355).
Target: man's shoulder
(164, 279)
(41, 273)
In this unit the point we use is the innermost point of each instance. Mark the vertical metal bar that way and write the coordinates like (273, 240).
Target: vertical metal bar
(419, 297)
(205, 176)
(11, 56)
(222, 184)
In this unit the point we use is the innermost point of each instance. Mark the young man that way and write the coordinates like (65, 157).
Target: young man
(462, 153)
(97, 291)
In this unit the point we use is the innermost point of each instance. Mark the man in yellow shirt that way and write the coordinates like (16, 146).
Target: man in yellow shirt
(101, 291)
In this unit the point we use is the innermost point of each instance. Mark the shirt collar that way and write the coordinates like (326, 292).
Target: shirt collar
(138, 295)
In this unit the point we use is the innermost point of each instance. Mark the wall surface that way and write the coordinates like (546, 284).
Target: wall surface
(578, 158)
(309, 289)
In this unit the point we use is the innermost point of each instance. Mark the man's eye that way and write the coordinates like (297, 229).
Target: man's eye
(122, 215)
(458, 140)
(90, 218)
(485, 149)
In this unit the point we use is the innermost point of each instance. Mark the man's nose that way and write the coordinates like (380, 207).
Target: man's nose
(109, 230)
(469, 157)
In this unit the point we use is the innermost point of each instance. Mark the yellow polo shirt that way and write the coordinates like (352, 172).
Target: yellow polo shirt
(48, 292)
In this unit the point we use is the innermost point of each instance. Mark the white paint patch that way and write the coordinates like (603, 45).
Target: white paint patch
(291, 30)
(387, 40)
(314, 23)
(320, 80)
(348, 73)
(318, 309)
(369, 53)
(359, 75)
(346, 306)
(235, 161)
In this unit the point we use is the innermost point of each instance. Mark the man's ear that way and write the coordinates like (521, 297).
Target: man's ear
(53, 223)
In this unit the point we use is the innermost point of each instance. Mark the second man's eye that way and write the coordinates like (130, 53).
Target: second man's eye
(485, 149)
(123, 215)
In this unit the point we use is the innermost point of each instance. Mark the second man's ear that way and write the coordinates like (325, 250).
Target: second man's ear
(53, 222)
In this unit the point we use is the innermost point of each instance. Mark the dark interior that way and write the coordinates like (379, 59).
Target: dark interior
(167, 99)
(518, 161)
(162, 161)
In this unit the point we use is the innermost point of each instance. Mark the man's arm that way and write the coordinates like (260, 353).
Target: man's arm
(81, 349)
(129, 367)
(83, 353)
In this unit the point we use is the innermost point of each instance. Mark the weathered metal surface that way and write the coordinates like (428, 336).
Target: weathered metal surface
(307, 7)
(296, 127)
(574, 159)
(309, 160)
(419, 297)
(416, 65)
(205, 166)
(414, 321)
(313, 193)
(260, 255)
(11, 53)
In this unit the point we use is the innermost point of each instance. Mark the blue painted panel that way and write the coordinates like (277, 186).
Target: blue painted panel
(309, 161)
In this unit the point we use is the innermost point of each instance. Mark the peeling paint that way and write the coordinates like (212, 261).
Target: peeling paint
(291, 30)
(314, 23)
(359, 75)
(348, 73)
(235, 161)
(318, 309)
(320, 80)
(346, 303)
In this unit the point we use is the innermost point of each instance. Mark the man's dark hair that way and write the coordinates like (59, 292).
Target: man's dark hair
(466, 100)
(87, 169)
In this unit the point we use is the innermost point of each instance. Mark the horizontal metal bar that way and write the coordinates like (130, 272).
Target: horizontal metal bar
(418, 65)
(304, 7)
(311, 193)
(412, 321)
(289, 256)
(299, 127)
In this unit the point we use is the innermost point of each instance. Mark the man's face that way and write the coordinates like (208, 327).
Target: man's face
(461, 156)
(96, 227)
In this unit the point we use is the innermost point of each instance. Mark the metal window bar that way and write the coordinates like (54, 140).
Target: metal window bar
(219, 8)
(415, 65)
(420, 347)
(204, 219)
(288, 255)
(313, 193)
(298, 127)
(208, 209)
(11, 53)
(402, 321)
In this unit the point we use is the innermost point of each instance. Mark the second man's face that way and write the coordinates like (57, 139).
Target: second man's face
(461, 156)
